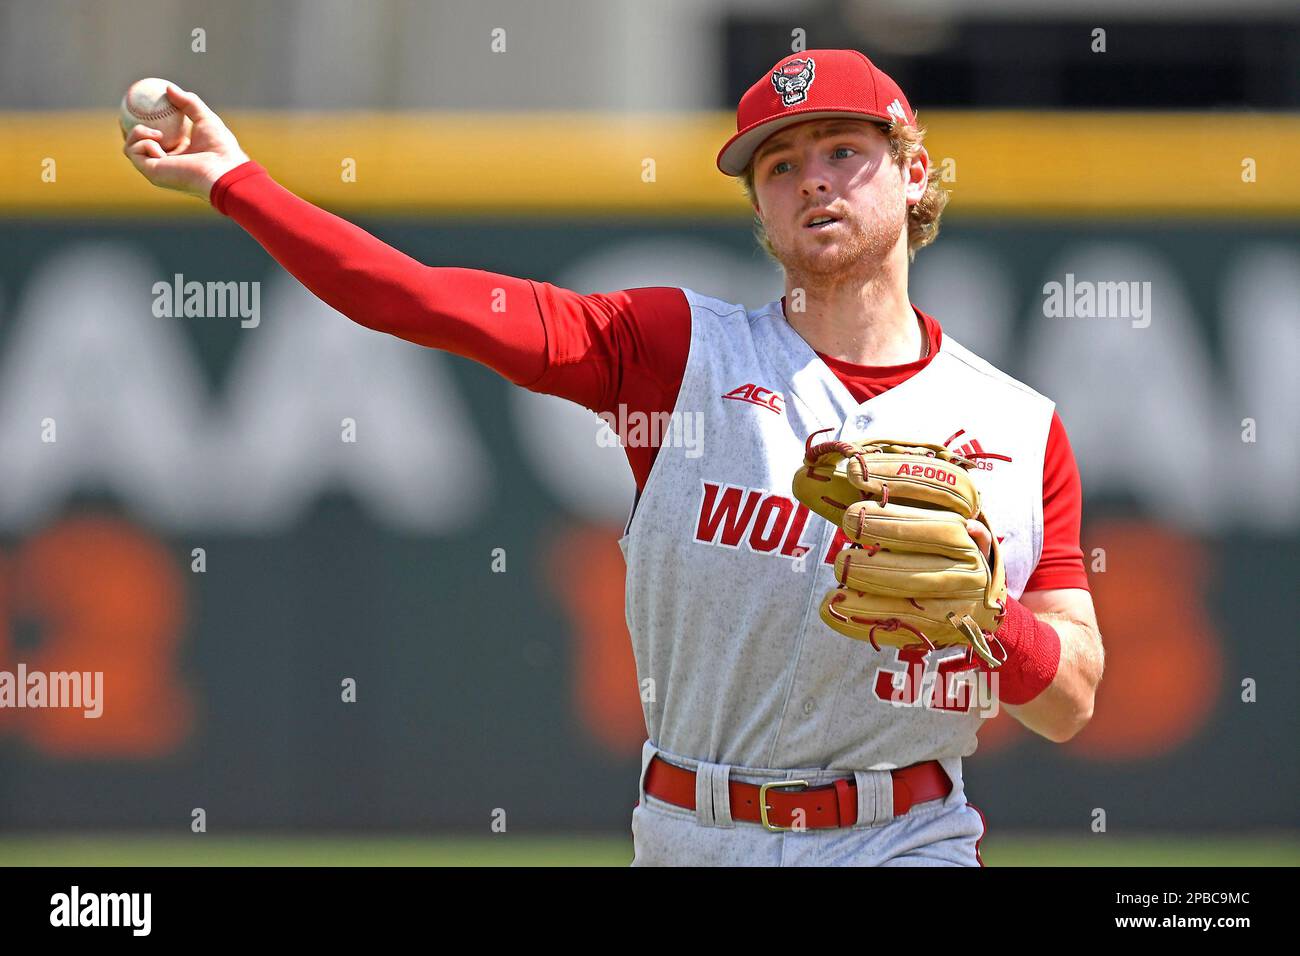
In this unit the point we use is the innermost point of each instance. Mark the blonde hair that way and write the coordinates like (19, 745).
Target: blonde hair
(922, 218)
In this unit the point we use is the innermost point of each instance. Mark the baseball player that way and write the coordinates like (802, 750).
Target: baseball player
(809, 695)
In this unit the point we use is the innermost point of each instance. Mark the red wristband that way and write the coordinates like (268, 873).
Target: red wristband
(1033, 654)
(231, 176)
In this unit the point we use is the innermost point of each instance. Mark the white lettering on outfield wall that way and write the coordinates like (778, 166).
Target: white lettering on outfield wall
(1152, 414)
(137, 417)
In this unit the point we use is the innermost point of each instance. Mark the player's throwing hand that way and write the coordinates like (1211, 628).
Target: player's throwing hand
(206, 151)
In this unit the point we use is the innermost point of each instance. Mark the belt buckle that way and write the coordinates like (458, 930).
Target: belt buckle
(762, 801)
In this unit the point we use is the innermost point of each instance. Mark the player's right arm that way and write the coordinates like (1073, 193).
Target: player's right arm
(601, 350)
(490, 318)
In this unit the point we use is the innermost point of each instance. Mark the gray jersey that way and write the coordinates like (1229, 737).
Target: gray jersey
(726, 570)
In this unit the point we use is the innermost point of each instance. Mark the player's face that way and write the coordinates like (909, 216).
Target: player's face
(844, 167)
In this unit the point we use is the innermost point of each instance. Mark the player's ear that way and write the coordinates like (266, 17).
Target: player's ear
(918, 176)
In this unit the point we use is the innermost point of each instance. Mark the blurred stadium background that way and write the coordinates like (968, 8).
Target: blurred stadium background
(1162, 150)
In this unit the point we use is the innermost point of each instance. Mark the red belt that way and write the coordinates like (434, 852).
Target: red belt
(774, 804)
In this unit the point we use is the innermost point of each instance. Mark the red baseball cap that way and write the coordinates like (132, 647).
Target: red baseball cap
(815, 84)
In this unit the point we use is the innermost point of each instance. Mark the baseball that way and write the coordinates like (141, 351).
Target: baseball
(145, 102)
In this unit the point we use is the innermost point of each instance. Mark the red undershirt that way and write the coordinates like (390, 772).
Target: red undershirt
(601, 350)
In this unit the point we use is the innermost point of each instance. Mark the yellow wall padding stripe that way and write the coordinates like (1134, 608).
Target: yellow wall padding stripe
(1004, 164)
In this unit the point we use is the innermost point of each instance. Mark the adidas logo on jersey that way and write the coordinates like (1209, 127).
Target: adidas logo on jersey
(973, 448)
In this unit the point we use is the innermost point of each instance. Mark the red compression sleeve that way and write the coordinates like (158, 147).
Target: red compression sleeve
(621, 352)
(490, 318)
(1033, 654)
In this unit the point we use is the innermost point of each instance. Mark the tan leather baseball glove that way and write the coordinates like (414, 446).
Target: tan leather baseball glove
(914, 575)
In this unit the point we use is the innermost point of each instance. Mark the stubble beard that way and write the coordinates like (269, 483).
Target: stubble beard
(854, 257)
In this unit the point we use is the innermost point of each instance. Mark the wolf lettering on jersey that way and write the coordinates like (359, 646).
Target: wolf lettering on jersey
(767, 523)
(761, 520)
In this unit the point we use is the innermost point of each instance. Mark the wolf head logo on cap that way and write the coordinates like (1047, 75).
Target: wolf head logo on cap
(792, 80)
